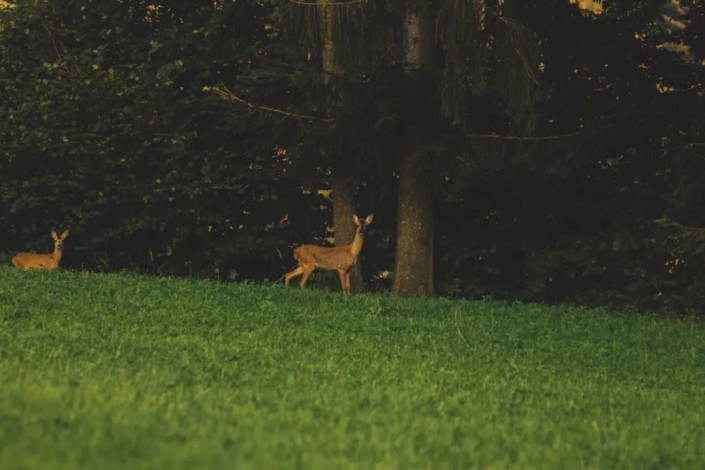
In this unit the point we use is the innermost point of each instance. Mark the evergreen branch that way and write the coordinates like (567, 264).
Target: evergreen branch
(60, 56)
(320, 3)
(683, 228)
(525, 138)
(549, 137)
(516, 24)
(518, 28)
(223, 93)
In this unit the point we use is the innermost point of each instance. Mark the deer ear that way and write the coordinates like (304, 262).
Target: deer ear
(65, 235)
(356, 221)
(54, 235)
(369, 219)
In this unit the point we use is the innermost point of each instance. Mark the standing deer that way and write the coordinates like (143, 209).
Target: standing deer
(338, 258)
(47, 262)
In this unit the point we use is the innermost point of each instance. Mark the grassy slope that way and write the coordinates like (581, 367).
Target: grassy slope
(118, 371)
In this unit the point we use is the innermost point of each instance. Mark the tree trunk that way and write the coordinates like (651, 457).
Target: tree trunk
(413, 271)
(329, 63)
(420, 37)
(343, 211)
(342, 182)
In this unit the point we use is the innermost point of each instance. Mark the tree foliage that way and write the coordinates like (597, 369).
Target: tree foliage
(582, 184)
(106, 128)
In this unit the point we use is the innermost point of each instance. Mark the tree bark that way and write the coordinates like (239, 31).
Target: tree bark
(329, 63)
(413, 270)
(343, 211)
(342, 182)
(420, 36)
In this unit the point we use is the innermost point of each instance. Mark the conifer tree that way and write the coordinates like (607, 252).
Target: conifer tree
(450, 58)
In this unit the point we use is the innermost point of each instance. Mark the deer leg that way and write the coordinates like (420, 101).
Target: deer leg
(345, 280)
(292, 274)
(306, 276)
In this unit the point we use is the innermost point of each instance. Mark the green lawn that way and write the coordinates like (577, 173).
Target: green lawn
(122, 371)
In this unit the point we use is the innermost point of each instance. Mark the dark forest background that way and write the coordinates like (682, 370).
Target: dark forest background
(562, 151)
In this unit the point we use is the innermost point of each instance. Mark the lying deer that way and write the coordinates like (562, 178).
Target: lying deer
(47, 262)
(339, 258)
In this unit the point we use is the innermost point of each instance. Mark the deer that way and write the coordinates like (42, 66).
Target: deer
(46, 262)
(337, 258)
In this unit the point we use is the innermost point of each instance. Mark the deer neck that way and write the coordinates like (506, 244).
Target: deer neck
(356, 245)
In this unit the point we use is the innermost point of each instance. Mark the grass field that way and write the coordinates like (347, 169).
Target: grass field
(122, 371)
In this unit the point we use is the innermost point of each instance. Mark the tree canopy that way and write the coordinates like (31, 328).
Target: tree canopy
(562, 148)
